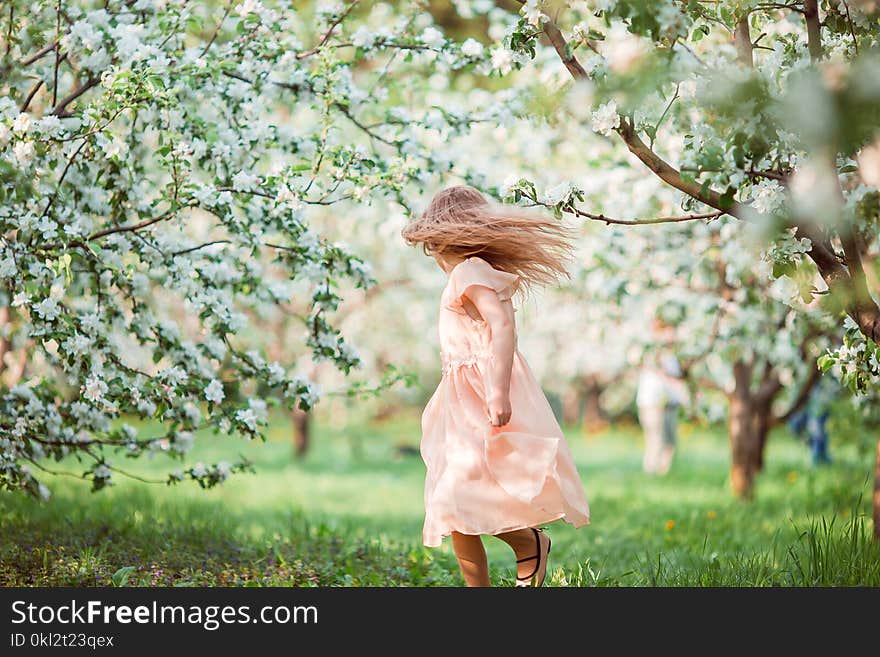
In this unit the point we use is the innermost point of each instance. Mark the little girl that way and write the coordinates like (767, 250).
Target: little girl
(497, 461)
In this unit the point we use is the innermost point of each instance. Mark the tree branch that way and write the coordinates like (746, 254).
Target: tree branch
(742, 41)
(57, 51)
(644, 222)
(59, 109)
(568, 59)
(769, 387)
(129, 228)
(814, 30)
(851, 28)
(42, 52)
(663, 116)
(803, 395)
(861, 307)
(665, 171)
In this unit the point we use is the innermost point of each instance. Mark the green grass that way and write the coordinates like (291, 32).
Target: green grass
(351, 514)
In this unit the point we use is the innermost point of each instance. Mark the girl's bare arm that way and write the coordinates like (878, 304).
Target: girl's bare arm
(492, 310)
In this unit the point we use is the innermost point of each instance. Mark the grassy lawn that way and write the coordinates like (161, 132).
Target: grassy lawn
(351, 514)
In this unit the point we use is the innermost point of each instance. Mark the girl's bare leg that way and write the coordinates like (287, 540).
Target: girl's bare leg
(471, 557)
(523, 544)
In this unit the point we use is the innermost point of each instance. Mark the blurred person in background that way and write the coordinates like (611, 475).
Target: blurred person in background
(812, 421)
(661, 392)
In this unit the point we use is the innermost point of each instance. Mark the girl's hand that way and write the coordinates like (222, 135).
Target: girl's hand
(499, 410)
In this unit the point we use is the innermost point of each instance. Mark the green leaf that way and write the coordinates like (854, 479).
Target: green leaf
(121, 576)
(825, 362)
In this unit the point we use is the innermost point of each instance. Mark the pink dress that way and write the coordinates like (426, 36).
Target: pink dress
(483, 479)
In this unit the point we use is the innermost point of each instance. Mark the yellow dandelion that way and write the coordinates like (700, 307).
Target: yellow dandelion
(670, 524)
(792, 477)
(711, 515)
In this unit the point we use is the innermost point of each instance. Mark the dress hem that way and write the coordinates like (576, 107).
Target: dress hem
(512, 528)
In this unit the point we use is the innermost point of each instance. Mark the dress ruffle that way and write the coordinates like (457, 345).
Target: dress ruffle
(477, 272)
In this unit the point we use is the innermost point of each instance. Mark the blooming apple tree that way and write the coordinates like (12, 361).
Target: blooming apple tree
(763, 112)
(165, 168)
(766, 112)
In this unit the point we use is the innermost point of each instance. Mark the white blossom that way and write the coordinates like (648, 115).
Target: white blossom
(24, 153)
(363, 37)
(502, 60)
(22, 123)
(472, 48)
(558, 194)
(247, 417)
(432, 37)
(531, 11)
(95, 388)
(48, 309)
(223, 470)
(767, 196)
(214, 392)
(605, 119)
(183, 441)
(244, 181)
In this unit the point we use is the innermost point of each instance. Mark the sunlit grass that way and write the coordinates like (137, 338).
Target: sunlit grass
(351, 514)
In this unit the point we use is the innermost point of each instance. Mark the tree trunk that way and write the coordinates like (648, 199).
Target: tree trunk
(571, 404)
(749, 421)
(301, 432)
(745, 446)
(593, 419)
(877, 494)
(763, 419)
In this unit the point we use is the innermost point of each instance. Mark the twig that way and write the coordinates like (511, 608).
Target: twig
(30, 96)
(345, 111)
(134, 476)
(63, 174)
(663, 116)
(326, 37)
(66, 473)
(59, 109)
(851, 29)
(57, 51)
(200, 246)
(130, 227)
(774, 175)
(217, 29)
(9, 30)
(42, 52)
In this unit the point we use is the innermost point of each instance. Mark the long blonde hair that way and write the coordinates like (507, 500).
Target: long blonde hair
(460, 222)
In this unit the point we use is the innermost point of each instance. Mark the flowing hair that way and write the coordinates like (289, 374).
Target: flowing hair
(460, 222)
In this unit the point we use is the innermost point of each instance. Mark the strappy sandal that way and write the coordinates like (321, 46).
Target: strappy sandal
(540, 573)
